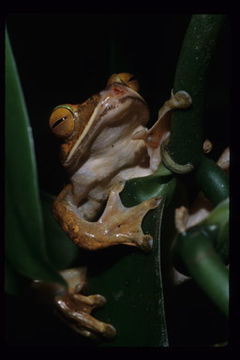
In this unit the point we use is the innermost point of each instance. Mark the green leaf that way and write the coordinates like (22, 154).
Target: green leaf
(25, 240)
(130, 279)
(14, 282)
(132, 284)
(160, 184)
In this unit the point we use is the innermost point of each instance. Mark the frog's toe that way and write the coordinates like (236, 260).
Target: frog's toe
(91, 301)
(75, 309)
(180, 100)
(147, 243)
(109, 331)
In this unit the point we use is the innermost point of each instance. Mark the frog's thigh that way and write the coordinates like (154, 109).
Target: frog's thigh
(117, 225)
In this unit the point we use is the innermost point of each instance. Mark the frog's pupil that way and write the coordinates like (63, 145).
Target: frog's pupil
(59, 121)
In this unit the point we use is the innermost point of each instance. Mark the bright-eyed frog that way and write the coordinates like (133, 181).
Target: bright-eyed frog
(105, 143)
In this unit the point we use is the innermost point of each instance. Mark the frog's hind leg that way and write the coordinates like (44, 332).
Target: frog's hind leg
(117, 225)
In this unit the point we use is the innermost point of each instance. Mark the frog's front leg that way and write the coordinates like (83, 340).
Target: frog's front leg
(117, 224)
(161, 129)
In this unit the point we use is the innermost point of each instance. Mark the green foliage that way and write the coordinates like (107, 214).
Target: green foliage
(201, 250)
(131, 280)
(25, 238)
(160, 184)
(212, 180)
(36, 247)
(195, 256)
(217, 222)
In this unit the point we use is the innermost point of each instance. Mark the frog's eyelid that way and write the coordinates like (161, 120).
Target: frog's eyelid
(68, 107)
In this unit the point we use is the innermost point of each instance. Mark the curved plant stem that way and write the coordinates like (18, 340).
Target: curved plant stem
(218, 219)
(195, 250)
(200, 259)
(186, 125)
(212, 180)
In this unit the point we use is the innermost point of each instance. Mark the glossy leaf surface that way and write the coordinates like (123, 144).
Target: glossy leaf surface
(132, 284)
(130, 279)
(25, 239)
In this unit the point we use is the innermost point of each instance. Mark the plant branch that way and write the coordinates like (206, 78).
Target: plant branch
(194, 254)
(186, 125)
(213, 180)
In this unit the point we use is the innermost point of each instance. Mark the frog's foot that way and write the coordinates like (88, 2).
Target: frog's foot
(75, 309)
(122, 225)
(72, 306)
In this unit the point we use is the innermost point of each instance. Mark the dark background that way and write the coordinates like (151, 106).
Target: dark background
(65, 58)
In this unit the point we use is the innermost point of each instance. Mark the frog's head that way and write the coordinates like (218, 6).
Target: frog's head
(79, 125)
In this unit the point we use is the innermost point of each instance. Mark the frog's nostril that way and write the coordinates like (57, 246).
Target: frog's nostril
(125, 78)
(118, 90)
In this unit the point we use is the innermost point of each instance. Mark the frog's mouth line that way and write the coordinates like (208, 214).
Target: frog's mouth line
(99, 112)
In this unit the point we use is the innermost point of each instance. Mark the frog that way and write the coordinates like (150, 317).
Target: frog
(105, 143)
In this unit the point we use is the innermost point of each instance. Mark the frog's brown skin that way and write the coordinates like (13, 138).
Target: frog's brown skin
(106, 142)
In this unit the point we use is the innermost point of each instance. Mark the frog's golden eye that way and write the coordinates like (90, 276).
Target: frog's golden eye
(61, 122)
